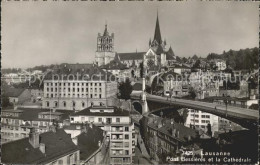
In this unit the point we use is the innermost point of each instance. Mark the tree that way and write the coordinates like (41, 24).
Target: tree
(192, 93)
(141, 69)
(209, 132)
(197, 64)
(184, 60)
(133, 73)
(125, 89)
(5, 102)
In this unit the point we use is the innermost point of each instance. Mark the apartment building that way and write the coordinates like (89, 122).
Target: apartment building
(40, 149)
(15, 124)
(221, 64)
(175, 84)
(81, 86)
(218, 124)
(119, 127)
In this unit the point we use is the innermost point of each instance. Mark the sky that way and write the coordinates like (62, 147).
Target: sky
(43, 33)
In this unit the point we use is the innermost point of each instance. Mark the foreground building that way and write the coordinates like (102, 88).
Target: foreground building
(77, 86)
(92, 142)
(164, 137)
(119, 127)
(53, 147)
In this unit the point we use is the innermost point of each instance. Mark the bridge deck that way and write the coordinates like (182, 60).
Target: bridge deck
(231, 111)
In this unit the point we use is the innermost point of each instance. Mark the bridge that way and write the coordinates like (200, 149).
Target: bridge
(247, 118)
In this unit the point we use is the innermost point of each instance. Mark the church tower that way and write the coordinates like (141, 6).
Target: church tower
(105, 48)
(158, 45)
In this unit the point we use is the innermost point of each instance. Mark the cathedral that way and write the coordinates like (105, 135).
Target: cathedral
(156, 57)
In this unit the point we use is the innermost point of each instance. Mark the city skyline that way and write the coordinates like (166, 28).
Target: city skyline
(45, 33)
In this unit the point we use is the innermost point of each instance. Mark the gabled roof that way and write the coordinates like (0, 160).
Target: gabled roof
(80, 71)
(131, 56)
(31, 114)
(138, 86)
(170, 74)
(159, 50)
(57, 144)
(13, 92)
(166, 128)
(88, 141)
(114, 65)
(117, 112)
(170, 54)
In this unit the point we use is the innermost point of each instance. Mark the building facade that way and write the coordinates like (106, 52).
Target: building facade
(77, 95)
(119, 127)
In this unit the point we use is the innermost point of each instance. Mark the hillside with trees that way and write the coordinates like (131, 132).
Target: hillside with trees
(238, 59)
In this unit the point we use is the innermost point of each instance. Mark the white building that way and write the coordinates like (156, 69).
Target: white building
(119, 127)
(201, 119)
(77, 95)
(221, 64)
(77, 86)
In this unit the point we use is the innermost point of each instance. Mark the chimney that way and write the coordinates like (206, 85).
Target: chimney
(75, 140)
(42, 148)
(91, 125)
(189, 138)
(34, 139)
(52, 128)
(252, 97)
(160, 124)
(173, 132)
(178, 134)
(53, 109)
(172, 121)
(84, 129)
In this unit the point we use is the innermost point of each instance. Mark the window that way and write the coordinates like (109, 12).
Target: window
(60, 162)
(118, 120)
(126, 129)
(47, 104)
(68, 159)
(75, 157)
(100, 120)
(64, 104)
(100, 96)
(83, 104)
(126, 136)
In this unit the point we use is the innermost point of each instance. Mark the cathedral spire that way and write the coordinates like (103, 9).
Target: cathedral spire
(105, 32)
(157, 33)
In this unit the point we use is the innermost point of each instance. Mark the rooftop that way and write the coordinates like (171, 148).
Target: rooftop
(131, 56)
(87, 112)
(166, 128)
(31, 114)
(21, 151)
(88, 141)
(13, 92)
